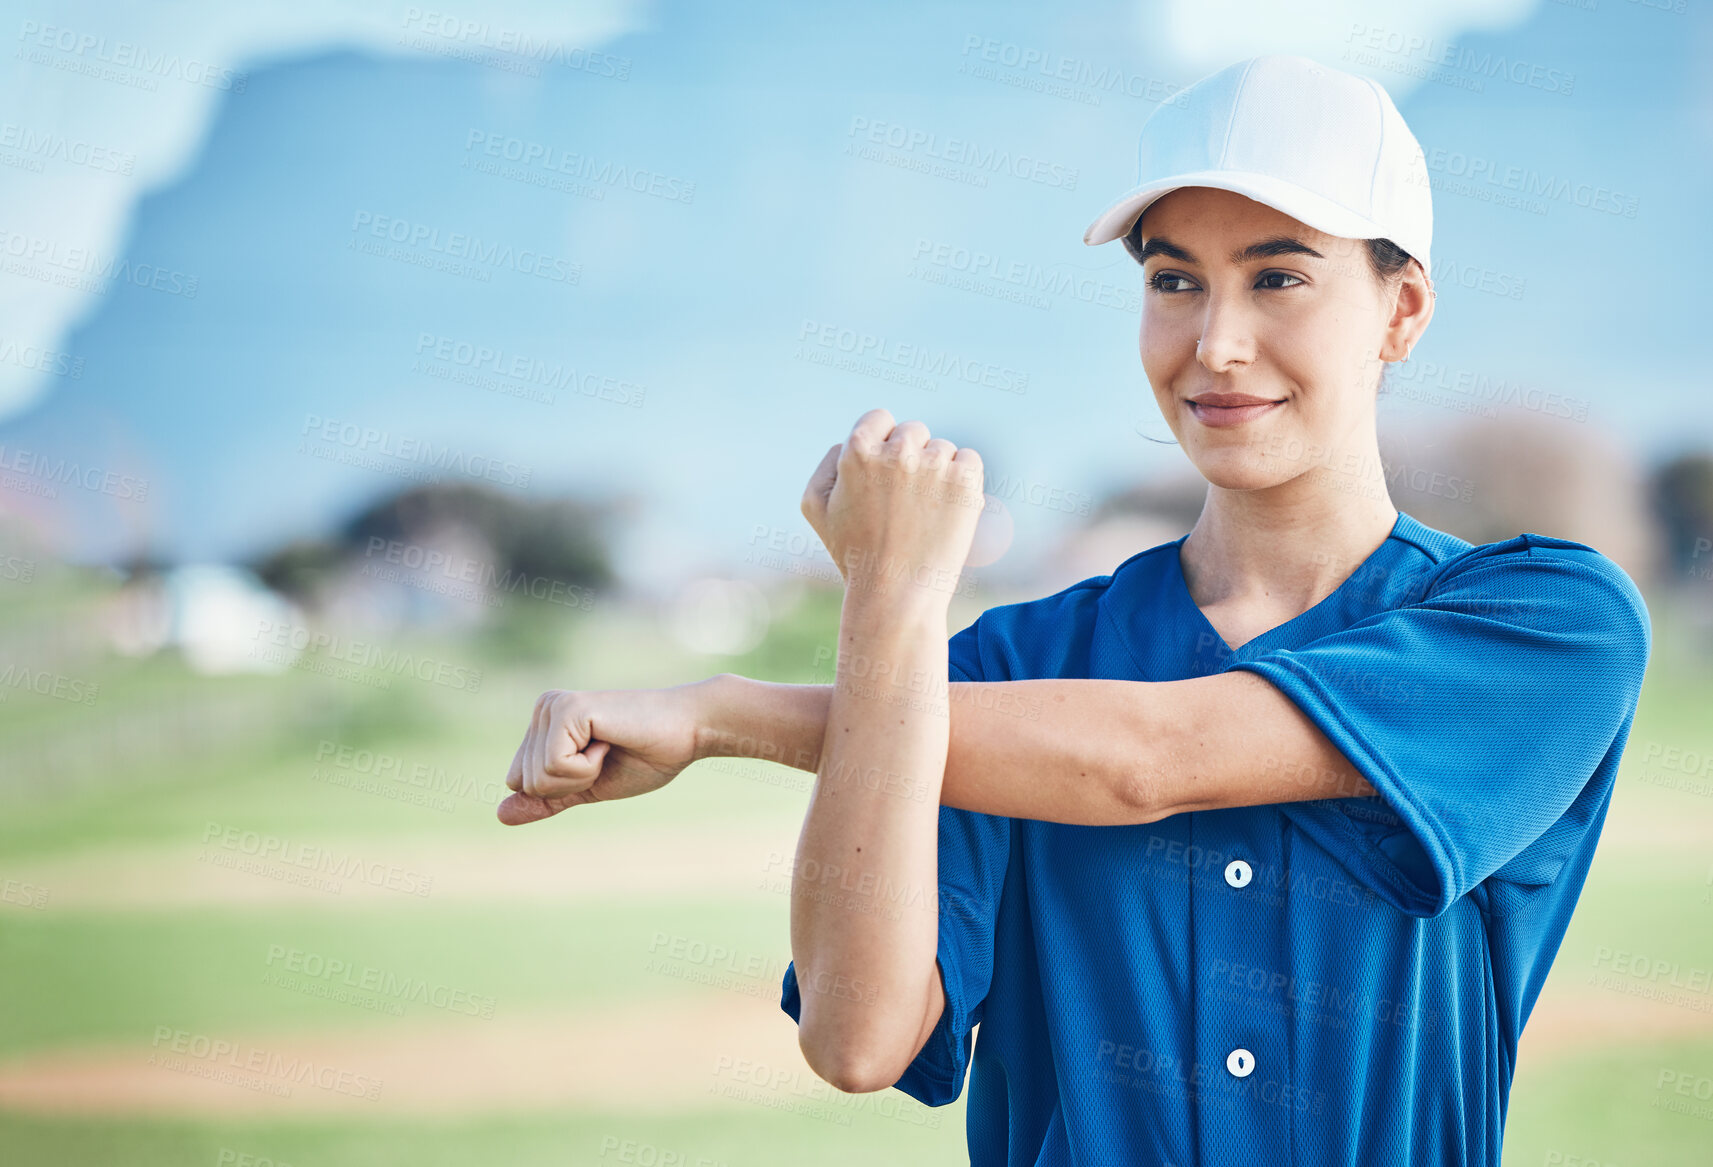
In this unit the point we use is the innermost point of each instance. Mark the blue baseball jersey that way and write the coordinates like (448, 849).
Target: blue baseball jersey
(1334, 981)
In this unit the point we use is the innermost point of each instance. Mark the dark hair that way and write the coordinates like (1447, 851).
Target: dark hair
(1385, 259)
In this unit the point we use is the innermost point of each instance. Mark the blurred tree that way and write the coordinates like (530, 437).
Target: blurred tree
(1683, 499)
(1175, 499)
(563, 541)
(557, 539)
(297, 568)
(1487, 479)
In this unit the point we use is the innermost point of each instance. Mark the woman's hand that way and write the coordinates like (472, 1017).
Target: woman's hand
(595, 746)
(895, 507)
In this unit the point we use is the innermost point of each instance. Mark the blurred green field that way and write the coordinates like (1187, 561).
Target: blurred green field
(116, 923)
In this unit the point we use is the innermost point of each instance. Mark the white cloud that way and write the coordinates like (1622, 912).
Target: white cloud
(1396, 42)
(104, 102)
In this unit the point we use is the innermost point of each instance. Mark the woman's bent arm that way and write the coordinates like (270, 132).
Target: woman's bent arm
(865, 886)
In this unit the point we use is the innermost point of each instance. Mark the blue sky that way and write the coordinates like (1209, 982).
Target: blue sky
(764, 239)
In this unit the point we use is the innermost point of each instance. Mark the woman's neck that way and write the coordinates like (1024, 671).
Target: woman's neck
(1284, 549)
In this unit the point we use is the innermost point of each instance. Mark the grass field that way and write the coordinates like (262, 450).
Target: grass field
(602, 988)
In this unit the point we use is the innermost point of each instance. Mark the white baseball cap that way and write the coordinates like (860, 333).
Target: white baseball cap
(1326, 147)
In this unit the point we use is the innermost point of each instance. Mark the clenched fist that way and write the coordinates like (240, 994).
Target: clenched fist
(895, 508)
(596, 746)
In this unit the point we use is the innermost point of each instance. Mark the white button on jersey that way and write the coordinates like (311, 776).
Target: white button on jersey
(1240, 1062)
(1237, 873)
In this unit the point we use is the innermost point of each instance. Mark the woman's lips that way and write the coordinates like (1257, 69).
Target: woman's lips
(1220, 416)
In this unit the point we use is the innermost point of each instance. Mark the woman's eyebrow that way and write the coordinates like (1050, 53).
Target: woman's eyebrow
(1262, 249)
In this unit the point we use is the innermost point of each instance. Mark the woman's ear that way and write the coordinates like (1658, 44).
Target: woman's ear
(1411, 311)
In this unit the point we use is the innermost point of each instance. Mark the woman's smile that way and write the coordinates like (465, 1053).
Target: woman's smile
(1228, 409)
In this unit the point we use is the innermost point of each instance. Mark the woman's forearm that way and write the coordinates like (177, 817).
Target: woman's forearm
(1017, 748)
(776, 722)
(1072, 750)
(864, 889)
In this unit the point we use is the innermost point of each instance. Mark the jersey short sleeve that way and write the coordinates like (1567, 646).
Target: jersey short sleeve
(1479, 713)
(974, 850)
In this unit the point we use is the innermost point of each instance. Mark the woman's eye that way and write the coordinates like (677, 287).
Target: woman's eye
(1170, 281)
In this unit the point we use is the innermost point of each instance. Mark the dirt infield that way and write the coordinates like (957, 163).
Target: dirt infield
(662, 1057)
(678, 1054)
(1575, 1021)
(531, 863)
(690, 1047)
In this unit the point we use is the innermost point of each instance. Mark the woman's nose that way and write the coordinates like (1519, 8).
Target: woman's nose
(1225, 339)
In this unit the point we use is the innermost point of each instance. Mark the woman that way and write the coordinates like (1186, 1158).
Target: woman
(1256, 850)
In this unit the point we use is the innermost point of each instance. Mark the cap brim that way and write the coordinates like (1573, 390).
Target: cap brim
(1305, 206)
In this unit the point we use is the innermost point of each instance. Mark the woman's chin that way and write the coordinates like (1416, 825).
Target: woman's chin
(1241, 470)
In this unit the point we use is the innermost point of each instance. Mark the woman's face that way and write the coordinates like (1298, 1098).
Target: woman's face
(1265, 364)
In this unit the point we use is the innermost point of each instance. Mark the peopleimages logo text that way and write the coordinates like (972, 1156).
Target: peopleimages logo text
(382, 443)
(459, 245)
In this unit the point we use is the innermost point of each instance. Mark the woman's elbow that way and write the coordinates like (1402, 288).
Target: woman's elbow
(851, 1064)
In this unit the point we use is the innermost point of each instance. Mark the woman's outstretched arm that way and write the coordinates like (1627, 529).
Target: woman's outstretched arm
(1071, 750)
